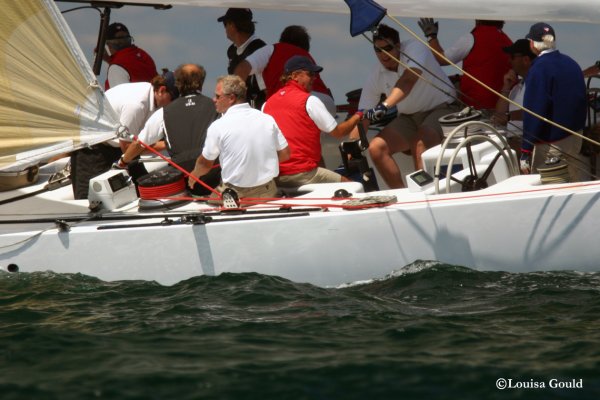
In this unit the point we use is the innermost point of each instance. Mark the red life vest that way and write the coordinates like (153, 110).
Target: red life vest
(487, 62)
(288, 108)
(274, 69)
(138, 64)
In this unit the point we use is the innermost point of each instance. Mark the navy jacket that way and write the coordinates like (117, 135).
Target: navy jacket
(555, 89)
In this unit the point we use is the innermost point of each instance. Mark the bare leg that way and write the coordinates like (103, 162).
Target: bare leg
(381, 149)
(426, 138)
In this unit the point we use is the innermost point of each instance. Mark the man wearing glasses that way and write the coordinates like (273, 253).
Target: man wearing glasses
(419, 102)
(302, 117)
(248, 143)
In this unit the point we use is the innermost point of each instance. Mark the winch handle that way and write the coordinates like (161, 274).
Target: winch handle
(362, 134)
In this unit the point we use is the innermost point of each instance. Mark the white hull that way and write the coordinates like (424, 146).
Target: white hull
(517, 225)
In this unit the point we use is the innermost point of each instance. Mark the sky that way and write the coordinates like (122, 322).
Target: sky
(193, 35)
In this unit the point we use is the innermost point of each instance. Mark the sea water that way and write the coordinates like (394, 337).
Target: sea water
(428, 331)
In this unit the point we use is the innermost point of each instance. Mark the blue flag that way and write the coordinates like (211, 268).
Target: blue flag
(364, 15)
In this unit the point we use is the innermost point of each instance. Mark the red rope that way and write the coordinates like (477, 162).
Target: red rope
(162, 191)
(175, 165)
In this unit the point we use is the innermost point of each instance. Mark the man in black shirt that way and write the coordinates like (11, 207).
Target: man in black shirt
(240, 28)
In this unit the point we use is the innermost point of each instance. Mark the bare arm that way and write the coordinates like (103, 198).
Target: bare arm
(344, 128)
(200, 169)
(403, 87)
(284, 154)
(133, 150)
(243, 70)
(435, 44)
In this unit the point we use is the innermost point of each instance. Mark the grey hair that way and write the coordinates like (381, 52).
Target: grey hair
(547, 43)
(233, 84)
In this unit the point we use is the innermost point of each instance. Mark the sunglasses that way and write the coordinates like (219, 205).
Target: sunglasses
(218, 96)
(387, 48)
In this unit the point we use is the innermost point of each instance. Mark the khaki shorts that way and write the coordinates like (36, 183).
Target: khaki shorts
(408, 124)
(267, 190)
(569, 145)
(317, 175)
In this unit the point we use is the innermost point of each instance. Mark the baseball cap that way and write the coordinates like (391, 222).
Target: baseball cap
(114, 28)
(170, 83)
(537, 31)
(521, 46)
(236, 14)
(296, 63)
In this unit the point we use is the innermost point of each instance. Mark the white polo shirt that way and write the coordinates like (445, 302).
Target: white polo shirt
(134, 103)
(423, 96)
(246, 142)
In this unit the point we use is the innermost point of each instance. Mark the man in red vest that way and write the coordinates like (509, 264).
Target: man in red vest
(301, 117)
(126, 61)
(269, 62)
(482, 55)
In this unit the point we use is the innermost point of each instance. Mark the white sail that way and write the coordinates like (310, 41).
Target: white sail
(509, 10)
(49, 99)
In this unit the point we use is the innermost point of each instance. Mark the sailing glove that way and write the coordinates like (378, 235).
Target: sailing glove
(429, 27)
(377, 113)
(120, 164)
(525, 163)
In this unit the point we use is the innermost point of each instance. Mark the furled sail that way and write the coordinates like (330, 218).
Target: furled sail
(508, 10)
(50, 102)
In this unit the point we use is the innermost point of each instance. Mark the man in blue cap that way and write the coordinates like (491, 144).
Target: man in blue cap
(556, 91)
(302, 117)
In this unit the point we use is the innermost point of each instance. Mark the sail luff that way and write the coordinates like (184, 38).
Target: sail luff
(49, 102)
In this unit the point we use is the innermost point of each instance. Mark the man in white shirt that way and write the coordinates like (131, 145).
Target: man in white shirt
(247, 142)
(134, 103)
(419, 102)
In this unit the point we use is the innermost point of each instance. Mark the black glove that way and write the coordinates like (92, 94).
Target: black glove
(377, 113)
(429, 27)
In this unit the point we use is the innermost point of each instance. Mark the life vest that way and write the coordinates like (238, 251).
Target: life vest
(288, 107)
(186, 121)
(274, 69)
(487, 62)
(138, 64)
(254, 92)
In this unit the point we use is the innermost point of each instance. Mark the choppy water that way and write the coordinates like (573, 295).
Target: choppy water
(430, 332)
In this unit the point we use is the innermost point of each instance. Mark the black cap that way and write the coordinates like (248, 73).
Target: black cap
(170, 83)
(236, 14)
(114, 28)
(521, 46)
(297, 63)
(537, 31)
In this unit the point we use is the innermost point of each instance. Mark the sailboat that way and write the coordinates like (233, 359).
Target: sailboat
(326, 234)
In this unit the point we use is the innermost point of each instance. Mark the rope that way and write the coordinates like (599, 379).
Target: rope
(176, 166)
(520, 106)
(148, 193)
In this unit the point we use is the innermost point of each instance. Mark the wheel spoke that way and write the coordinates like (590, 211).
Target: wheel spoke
(471, 161)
